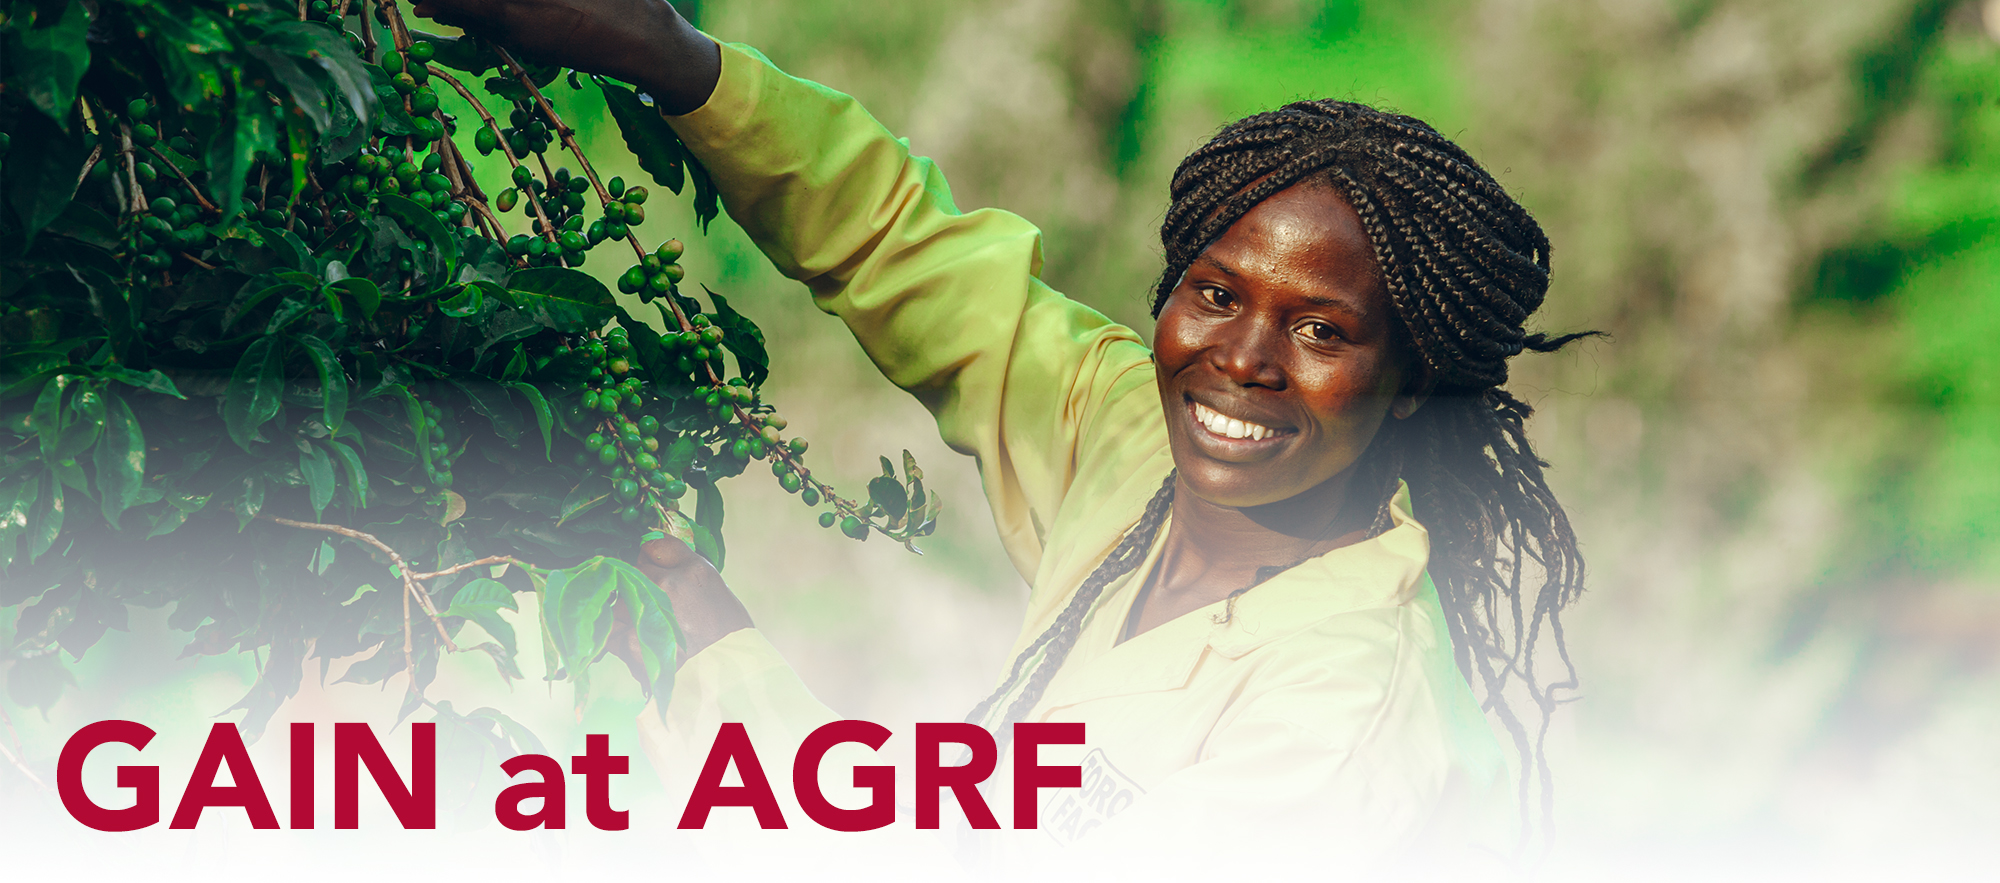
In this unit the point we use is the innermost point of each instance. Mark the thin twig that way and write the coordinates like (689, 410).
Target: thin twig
(449, 163)
(370, 51)
(14, 756)
(534, 200)
(402, 567)
(568, 136)
(89, 164)
(184, 180)
(483, 562)
(197, 261)
(131, 168)
(398, 31)
(409, 658)
(23, 767)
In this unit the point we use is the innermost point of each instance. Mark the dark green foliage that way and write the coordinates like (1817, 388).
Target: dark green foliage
(231, 328)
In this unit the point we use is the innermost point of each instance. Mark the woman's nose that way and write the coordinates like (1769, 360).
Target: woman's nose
(1248, 353)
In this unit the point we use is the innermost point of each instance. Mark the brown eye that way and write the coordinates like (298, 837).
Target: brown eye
(1319, 331)
(1216, 297)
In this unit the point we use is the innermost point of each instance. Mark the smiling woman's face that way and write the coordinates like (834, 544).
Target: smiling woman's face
(1277, 356)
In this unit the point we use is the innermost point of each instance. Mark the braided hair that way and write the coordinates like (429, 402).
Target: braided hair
(1465, 265)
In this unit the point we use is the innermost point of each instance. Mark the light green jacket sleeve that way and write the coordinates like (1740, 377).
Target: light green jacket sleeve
(946, 303)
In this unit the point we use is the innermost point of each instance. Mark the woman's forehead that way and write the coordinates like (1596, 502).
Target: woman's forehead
(1304, 238)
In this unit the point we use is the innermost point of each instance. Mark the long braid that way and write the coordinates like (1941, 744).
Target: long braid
(1465, 266)
(1061, 636)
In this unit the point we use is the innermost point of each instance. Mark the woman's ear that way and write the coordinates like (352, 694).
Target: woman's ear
(1418, 382)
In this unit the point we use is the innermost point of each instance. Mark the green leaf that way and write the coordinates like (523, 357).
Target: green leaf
(250, 502)
(578, 605)
(319, 70)
(17, 499)
(467, 54)
(889, 494)
(587, 495)
(317, 468)
(183, 40)
(492, 402)
(706, 205)
(108, 305)
(41, 169)
(150, 381)
(508, 88)
(45, 521)
(658, 631)
(414, 411)
(49, 413)
(708, 521)
(524, 739)
(562, 299)
(517, 365)
(465, 303)
(743, 338)
(481, 601)
(307, 93)
(45, 63)
(544, 417)
(256, 390)
(366, 294)
(84, 223)
(323, 557)
(38, 681)
(647, 134)
(120, 458)
(357, 474)
(483, 260)
(250, 130)
(426, 227)
(332, 380)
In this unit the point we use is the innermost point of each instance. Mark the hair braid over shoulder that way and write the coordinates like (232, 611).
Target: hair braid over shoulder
(1465, 266)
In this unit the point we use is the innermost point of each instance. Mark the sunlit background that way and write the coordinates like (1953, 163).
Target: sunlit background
(1783, 462)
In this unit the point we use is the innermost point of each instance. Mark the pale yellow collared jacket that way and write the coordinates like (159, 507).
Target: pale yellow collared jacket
(1323, 717)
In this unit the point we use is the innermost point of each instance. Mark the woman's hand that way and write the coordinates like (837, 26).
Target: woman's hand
(643, 42)
(703, 604)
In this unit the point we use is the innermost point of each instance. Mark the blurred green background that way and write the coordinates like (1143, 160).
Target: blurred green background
(1783, 462)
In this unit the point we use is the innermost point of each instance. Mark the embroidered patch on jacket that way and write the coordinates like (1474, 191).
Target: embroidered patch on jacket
(1068, 814)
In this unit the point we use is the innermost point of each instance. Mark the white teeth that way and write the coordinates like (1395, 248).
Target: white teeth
(1231, 427)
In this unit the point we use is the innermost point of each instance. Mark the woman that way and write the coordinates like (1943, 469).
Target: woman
(1229, 586)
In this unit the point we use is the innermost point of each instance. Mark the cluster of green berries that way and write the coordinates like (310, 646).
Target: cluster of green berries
(441, 452)
(702, 345)
(172, 222)
(408, 80)
(525, 133)
(655, 275)
(563, 200)
(374, 173)
(409, 85)
(324, 13)
(625, 444)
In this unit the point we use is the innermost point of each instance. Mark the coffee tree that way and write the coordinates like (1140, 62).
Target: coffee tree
(269, 355)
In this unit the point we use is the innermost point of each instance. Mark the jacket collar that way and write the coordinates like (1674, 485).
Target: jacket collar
(1384, 571)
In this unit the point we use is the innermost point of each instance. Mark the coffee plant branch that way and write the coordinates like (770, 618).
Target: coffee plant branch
(547, 230)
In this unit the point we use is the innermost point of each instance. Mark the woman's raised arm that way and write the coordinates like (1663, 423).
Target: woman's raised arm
(946, 303)
(643, 42)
